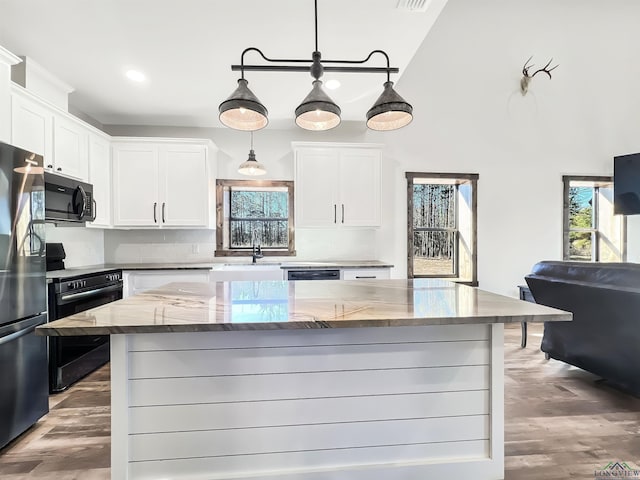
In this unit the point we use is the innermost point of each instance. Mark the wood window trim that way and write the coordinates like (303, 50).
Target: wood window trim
(459, 178)
(598, 181)
(220, 186)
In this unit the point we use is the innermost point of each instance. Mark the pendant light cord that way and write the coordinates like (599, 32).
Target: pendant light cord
(316, 19)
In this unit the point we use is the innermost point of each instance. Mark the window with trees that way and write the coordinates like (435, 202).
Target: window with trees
(254, 212)
(442, 226)
(592, 233)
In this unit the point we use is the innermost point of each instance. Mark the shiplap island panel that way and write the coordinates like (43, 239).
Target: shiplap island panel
(296, 381)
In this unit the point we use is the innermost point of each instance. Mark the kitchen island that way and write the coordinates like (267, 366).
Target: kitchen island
(298, 381)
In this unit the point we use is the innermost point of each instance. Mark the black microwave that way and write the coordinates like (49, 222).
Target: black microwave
(68, 200)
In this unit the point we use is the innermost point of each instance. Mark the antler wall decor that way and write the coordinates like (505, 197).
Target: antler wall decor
(526, 76)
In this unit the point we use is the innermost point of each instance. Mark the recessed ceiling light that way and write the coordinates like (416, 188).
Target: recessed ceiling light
(135, 76)
(332, 84)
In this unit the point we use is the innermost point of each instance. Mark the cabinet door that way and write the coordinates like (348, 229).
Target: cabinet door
(70, 148)
(317, 187)
(365, 274)
(100, 178)
(135, 185)
(359, 204)
(32, 127)
(184, 186)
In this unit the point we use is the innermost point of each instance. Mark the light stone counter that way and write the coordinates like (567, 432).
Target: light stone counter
(295, 381)
(269, 305)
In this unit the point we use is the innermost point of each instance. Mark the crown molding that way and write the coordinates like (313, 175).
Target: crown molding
(8, 58)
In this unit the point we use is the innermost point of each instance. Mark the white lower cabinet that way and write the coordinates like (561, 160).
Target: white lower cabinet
(160, 183)
(365, 273)
(232, 273)
(138, 281)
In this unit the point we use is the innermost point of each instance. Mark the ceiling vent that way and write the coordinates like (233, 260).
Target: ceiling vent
(413, 5)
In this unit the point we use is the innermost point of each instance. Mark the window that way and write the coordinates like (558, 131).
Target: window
(591, 232)
(442, 225)
(254, 212)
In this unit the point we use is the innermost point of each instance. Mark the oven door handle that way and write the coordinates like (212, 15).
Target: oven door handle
(73, 296)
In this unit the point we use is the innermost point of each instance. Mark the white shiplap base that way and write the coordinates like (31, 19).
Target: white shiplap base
(362, 403)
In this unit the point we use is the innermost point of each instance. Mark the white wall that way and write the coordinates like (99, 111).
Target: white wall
(83, 246)
(470, 118)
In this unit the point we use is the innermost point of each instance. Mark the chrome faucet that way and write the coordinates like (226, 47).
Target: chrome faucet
(255, 246)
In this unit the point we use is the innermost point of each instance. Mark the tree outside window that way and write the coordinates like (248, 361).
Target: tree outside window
(442, 225)
(591, 232)
(252, 212)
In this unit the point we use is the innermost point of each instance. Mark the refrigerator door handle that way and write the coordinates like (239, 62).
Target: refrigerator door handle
(20, 333)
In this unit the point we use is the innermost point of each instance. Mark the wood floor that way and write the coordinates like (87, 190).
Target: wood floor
(560, 423)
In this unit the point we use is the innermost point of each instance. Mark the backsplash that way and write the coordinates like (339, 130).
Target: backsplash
(150, 246)
(83, 246)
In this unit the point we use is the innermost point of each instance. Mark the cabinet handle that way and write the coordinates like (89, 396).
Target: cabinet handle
(155, 207)
(59, 169)
(49, 166)
(366, 276)
(335, 213)
(343, 213)
(163, 220)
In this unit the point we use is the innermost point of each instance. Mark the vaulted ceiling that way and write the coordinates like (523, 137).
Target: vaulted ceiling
(185, 49)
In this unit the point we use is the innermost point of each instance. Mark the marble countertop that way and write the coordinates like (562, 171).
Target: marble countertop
(306, 265)
(335, 264)
(267, 305)
(69, 273)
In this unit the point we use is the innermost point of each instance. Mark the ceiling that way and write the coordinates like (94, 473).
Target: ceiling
(186, 47)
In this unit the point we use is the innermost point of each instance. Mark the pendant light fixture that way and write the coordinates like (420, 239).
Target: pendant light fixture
(242, 110)
(317, 112)
(390, 111)
(252, 166)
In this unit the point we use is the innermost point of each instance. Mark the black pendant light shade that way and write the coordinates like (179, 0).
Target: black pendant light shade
(390, 111)
(242, 110)
(317, 111)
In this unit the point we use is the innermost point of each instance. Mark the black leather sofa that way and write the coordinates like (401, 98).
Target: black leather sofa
(604, 336)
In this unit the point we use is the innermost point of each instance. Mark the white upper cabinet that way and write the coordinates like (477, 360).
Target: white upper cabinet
(7, 60)
(61, 138)
(338, 184)
(163, 183)
(100, 178)
(70, 148)
(184, 193)
(359, 175)
(32, 127)
(316, 187)
(135, 185)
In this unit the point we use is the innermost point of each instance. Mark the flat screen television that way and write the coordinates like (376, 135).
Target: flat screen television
(626, 184)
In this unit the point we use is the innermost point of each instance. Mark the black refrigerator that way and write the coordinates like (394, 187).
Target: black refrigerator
(23, 303)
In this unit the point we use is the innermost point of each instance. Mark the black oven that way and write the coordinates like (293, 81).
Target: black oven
(68, 200)
(71, 358)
